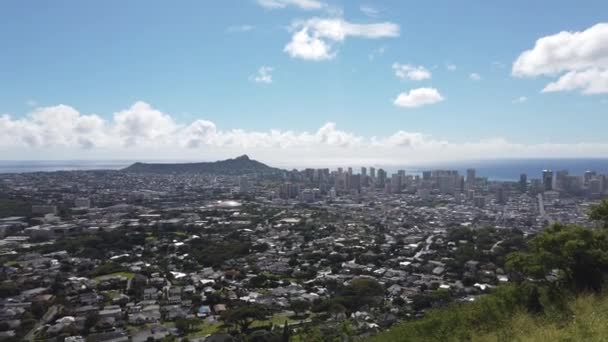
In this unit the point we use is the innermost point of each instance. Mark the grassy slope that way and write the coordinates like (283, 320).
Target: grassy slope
(588, 321)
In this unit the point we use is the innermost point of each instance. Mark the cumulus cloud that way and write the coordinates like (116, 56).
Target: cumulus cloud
(418, 97)
(314, 39)
(475, 76)
(264, 75)
(414, 73)
(305, 46)
(302, 4)
(144, 132)
(581, 58)
(590, 81)
(143, 124)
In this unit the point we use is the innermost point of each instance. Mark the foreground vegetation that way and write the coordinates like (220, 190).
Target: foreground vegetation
(559, 294)
(586, 321)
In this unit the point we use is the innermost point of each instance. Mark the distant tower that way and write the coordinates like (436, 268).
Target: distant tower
(523, 182)
(547, 180)
(372, 172)
(470, 181)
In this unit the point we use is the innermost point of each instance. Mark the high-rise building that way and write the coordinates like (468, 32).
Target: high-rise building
(396, 183)
(547, 180)
(372, 172)
(289, 190)
(426, 175)
(523, 182)
(470, 181)
(589, 175)
(561, 180)
(595, 186)
(355, 183)
(363, 171)
(381, 178)
(501, 195)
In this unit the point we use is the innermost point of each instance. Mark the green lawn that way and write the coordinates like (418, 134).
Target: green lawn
(204, 329)
(277, 319)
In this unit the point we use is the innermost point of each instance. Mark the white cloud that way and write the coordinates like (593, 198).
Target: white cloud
(565, 51)
(418, 97)
(475, 76)
(304, 46)
(581, 58)
(369, 11)
(313, 39)
(415, 73)
(590, 81)
(520, 99)
(302, 4)
(143, 124)
(144, 132)
(240, 28)
(264, 75)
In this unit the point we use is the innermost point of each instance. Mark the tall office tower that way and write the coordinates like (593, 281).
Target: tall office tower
(501, 195)
(340, 170)
(401, 173)
(547, 180)
(426, 175)
(396, 183)
(355, 183)
(446, 184)
(561, 180)
(350, 171)
(372, 172)
(381, 178)
(470, 178)
(589, 175)
(363, 171)
(523, 182)
(595, 186)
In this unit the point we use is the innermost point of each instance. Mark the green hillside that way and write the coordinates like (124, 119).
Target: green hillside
(587, 320)
(559, 294)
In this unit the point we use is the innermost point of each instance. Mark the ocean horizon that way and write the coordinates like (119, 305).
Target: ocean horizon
(499, 169)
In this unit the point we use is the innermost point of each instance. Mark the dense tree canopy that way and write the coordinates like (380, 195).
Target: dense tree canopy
(575, 256)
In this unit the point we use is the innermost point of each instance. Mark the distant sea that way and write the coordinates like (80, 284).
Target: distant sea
(511, 169)
(502, 170)
(19, 166)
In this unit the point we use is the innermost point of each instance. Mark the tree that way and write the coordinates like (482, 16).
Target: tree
(285, 337)
(185, 325)
(599, 212)
(8, 289)
(243, 316)
(574, 256)
(299, 306)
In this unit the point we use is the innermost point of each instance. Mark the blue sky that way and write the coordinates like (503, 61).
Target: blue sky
(198, 60)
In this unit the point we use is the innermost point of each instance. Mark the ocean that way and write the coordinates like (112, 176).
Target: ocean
(511, 169)
(501, 170)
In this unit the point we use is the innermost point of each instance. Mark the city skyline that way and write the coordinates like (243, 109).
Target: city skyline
(303, 82)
